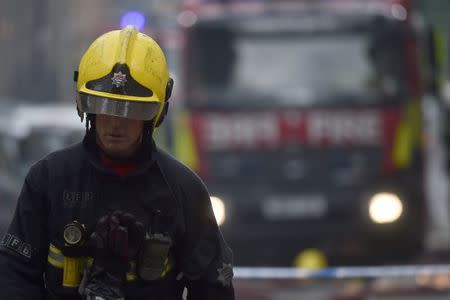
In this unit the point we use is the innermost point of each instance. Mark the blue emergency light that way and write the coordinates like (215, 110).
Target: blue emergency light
(134, 18)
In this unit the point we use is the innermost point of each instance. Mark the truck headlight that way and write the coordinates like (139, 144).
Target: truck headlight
(219, 209)
(385, 208)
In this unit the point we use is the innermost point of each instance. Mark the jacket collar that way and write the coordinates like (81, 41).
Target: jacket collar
(144, 157)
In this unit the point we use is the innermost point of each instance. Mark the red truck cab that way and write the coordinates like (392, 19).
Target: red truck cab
(304, 120)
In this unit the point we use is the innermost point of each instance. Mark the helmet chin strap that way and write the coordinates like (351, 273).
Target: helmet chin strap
(148, 130)
(90, 123)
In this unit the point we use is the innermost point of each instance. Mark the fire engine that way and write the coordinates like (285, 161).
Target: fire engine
(304, 120)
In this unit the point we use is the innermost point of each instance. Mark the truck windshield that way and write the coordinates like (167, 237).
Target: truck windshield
(230, 67)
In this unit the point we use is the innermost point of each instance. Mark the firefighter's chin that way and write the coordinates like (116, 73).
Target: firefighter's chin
(117, 146)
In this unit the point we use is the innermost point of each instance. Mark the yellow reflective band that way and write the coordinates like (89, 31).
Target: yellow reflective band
(89, 261)
(441, 45)
(407, 136)
(53, 249)
(184, 142)
(440, 54)
(55, 263)
(131, 274)
(131, 277)
(168, 265)
(56, 259)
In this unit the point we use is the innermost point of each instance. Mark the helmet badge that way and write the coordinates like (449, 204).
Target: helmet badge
(119, 79)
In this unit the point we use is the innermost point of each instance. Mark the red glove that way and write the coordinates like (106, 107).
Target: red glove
(116, 241)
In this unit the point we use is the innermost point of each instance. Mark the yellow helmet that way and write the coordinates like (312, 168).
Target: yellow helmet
(124, 73)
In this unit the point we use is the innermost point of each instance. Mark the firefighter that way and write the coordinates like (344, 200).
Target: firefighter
(115, 217)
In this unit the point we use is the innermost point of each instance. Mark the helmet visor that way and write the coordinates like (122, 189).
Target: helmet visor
(120, 108)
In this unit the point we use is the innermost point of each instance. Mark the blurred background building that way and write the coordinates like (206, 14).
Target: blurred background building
(42, 40)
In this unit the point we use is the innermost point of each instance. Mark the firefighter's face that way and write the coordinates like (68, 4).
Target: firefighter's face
(118, 137)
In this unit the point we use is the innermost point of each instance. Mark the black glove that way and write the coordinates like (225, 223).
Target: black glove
(114, 243)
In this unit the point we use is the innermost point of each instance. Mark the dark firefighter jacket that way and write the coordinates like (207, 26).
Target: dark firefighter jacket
(72, 184)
